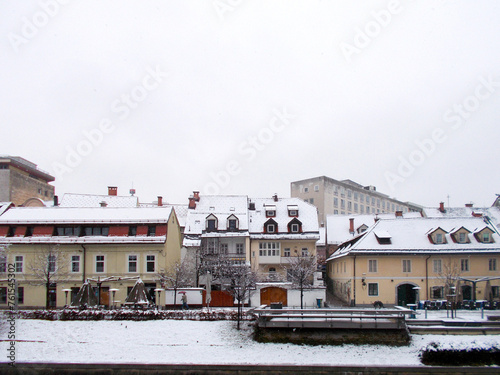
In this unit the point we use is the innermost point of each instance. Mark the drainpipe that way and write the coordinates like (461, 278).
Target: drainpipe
(353, 302)
(427, 278)
(83, 267)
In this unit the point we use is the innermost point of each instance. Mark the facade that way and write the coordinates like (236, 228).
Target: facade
(401, 261)
(23, 183)
(345, 197)
(112, 247)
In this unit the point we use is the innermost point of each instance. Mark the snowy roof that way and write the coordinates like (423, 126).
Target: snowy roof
(410, 235)
(4, 206)
(90, 200)
(222, 207)
(84, 240)
(338, 226)
(307, 215)
(101, 215)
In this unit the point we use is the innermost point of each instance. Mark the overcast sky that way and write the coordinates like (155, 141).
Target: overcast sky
(243, 97)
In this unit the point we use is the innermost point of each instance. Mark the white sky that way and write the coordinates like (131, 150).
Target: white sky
(231, 65)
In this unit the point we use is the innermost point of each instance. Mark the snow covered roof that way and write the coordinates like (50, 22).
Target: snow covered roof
(4, 206)
(411, 235)
(222, 207)
(307, 215)
(101, 215)
(91, 200)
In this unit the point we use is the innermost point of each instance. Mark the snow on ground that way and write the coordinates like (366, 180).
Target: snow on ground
(202, 342)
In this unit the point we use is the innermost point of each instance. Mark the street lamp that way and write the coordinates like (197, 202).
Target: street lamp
(159, 290)
(113, 290)
(66, 291)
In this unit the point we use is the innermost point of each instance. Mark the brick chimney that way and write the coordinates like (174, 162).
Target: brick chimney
(103, 204)
(112, 190)
(160, 201)
(192, 203)
(56, 201)
(351, 225)
(441, 207)
(469, 205)
(196, 195)
(275, 197)
(399, 213)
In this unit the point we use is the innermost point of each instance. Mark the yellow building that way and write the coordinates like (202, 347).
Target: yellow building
(111, 246)
(401, 261)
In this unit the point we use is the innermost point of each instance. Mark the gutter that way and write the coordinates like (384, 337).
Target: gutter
(427, 278)
(84, 263)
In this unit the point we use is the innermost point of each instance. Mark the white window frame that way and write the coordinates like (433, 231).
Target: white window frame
(51, 263)
(240, 248)
(287, 252)
(18, 263)
(372, 265)
(305, 252)
(294, 228)
(406, 263)
(462, 238)
(103, 261)
(437, 266)
(271, 228)
(149, 261)
(131, 261)
(75, 259)
(224, 248)
(371, 292)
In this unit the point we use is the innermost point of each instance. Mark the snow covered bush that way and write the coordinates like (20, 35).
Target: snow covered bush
(461, 354)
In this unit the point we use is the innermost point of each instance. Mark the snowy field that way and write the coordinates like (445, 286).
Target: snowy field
(195, 342)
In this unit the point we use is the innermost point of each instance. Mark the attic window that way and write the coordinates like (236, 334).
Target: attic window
(293, 211)
(383, 237)
(295, 226)
(211, 223)
(270, 226)
(232, 223)
(270, 211)
(486, 237)
(439, 238)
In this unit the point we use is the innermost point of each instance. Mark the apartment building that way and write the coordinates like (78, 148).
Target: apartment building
(346, 197)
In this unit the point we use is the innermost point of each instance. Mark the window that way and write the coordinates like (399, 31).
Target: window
(372, 265)
(306, 190)
(316, 187)
(269, 248)
(270, 228)
(293, 213)
(439, 238)
(336, 202)
(305, 252)
(287, 252)
(486, 237)
(355, 195)
(349, 206)
(99, 263)
(150, 263)
(151, 230)
(342, 203)
(437, 292)
(132, 230)
(211, 225)
(367, 209)
(232, 224)
(495, 291)
(224, 248)
(18, 264)
(373, 289)
(492, 264)
(96, 231)
(373, 201)
(335, 212)
(3, 263)
(355, 207)
(461, 237)
(75, 263)
(349, 193)
(311, 200)
(406, 265)
(239, 248)
(3, 294)
(51, 263)
(132, 263)
(464, 265)
(437, 266)
(20, 294)
(294, 228)
(361, 208)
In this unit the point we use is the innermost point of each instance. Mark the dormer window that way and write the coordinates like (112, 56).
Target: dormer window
(211, 223)
(294, 226)
(271, 227)
(437, 236)
(270, 211)
(383, 237)
(484, 235)
(232, 223)
(461, 235)
(293, 211)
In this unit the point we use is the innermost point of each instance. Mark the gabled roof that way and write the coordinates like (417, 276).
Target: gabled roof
(411, 236)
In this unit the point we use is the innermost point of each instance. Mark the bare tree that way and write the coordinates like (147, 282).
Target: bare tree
(449, 275)
(181, 274)
(242, 280)
(49, 266)
(300, 271)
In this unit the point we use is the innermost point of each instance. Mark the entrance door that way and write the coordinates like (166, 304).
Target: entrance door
(406, 294)
(105, 296)
(53, 295)
(273, 295)
(466, 292)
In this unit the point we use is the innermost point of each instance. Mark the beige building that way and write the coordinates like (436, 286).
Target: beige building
(345, 197)
(23, 183)
(401, 261)
(111, 246)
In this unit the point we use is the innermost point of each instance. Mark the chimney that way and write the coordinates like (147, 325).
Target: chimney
(477, 214)
(469, 205)
(112, 190)
(376, 218)
(399, 213)
(103, 204)
(351, 225)
(196, 195)
(192, 203)
(56, 201)
(441, 207)
(251, 206)
(275, 197)
(160, 201)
